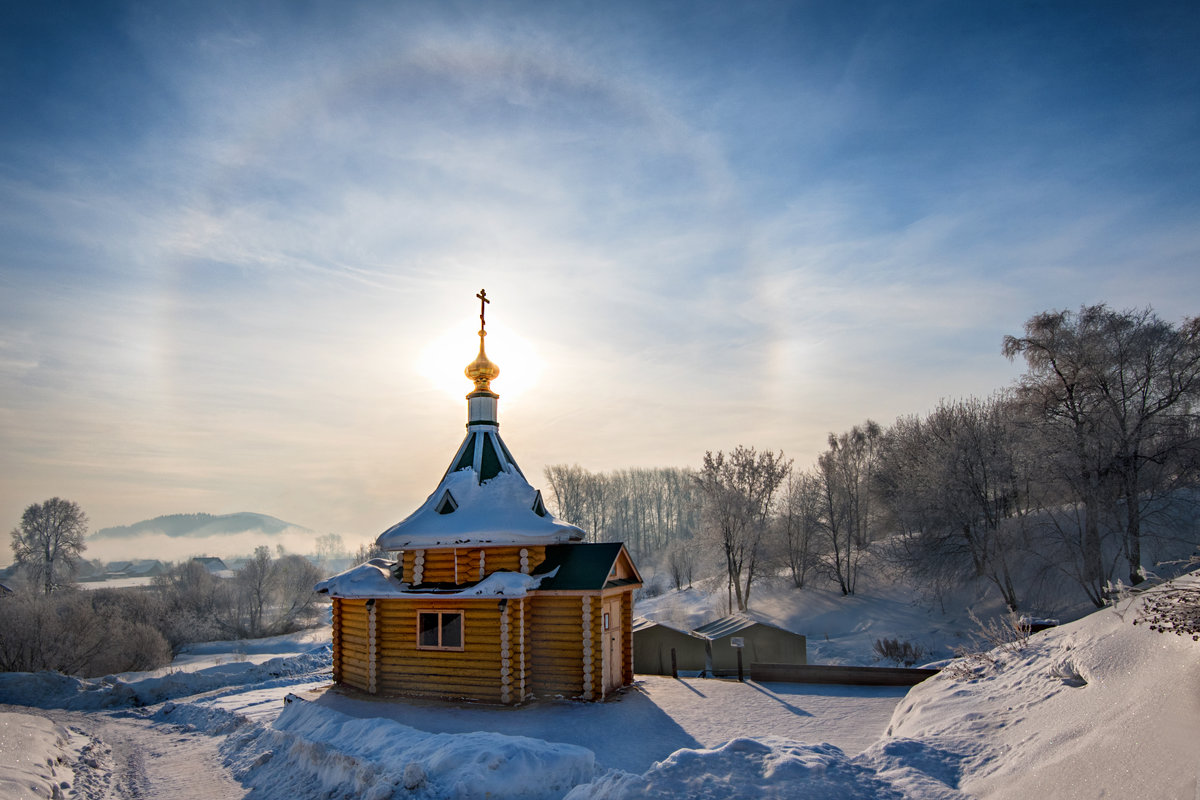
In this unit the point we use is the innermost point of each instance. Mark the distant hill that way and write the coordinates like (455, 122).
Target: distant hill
(196, 525)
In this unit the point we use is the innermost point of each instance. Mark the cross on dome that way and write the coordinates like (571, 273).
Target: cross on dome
(483, 298)
(481, 370)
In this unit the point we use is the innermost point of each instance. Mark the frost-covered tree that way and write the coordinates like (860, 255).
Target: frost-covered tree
(845, 515)
(681, 562)
(798, 526)
(646, 508)
(369, 550)
(48, 542)
(268, 596)
(739, 494)
(1115, 393)
(954, 483)
(328, 547)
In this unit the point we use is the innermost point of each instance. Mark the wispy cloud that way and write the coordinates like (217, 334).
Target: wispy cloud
(757, 227)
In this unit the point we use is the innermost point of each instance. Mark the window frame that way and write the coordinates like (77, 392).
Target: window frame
(440, 612)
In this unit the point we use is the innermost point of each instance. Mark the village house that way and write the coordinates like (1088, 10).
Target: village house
(489, 597)
(142, 568)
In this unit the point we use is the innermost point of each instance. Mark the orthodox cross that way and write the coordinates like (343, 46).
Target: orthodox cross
(482, 301)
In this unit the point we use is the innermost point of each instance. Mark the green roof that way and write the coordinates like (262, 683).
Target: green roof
(580, 566)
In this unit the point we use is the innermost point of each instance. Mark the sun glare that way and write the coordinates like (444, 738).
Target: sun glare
(444, 358)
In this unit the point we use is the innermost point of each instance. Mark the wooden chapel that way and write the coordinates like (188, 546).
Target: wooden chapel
(489, 597)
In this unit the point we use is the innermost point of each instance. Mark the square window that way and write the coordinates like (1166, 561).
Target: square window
(440, 630)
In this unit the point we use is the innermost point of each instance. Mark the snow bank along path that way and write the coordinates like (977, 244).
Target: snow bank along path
(37, 755)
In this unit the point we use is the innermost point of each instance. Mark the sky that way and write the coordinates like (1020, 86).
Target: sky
(240, 242)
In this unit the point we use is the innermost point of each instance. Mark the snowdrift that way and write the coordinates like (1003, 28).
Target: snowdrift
(55, 690)
(1096, 708)
(772, 769)
(37, 755)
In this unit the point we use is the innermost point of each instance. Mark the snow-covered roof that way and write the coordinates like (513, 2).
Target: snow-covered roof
(644, 623)
(482, 499)
(375, 579)
(727, 626)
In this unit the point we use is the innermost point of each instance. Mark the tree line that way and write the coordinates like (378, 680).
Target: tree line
(1096, 447)
(50, 624)
(647, 509)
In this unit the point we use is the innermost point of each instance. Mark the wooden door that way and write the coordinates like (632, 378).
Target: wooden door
(614, 652)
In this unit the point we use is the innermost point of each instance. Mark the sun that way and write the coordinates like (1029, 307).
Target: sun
(444, 358)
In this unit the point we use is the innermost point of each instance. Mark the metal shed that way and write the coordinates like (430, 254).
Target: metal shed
(761, 643)
(652, 644)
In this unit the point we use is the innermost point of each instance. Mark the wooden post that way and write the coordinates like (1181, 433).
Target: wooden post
(740, 679)
(674, 672)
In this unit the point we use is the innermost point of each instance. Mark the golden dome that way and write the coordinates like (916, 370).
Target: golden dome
(481, 370)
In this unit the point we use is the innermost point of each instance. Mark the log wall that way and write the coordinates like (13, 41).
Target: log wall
(352, 644)
(462, 564)
(563, 647)
(471, 672)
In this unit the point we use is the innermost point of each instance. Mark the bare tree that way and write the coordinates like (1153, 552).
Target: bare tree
(328, 547)
(569, 487)
(954, 482)
(798, 525)
(369, 550)
(196, 603)
(739, 492)
(269, 596)
(1058, 387)
(1115, 393)
(294, 578)
(681, 562)
(646, 508)
(844, 478)
(49, 540)
(252, 594)
(1149, 379)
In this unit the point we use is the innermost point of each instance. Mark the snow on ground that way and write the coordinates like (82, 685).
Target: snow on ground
(255, 651)
(657, 717)
(117, 583)
(1095, 708)
(37, 754)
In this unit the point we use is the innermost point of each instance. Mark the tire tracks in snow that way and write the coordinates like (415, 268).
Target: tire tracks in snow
(126, 757)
